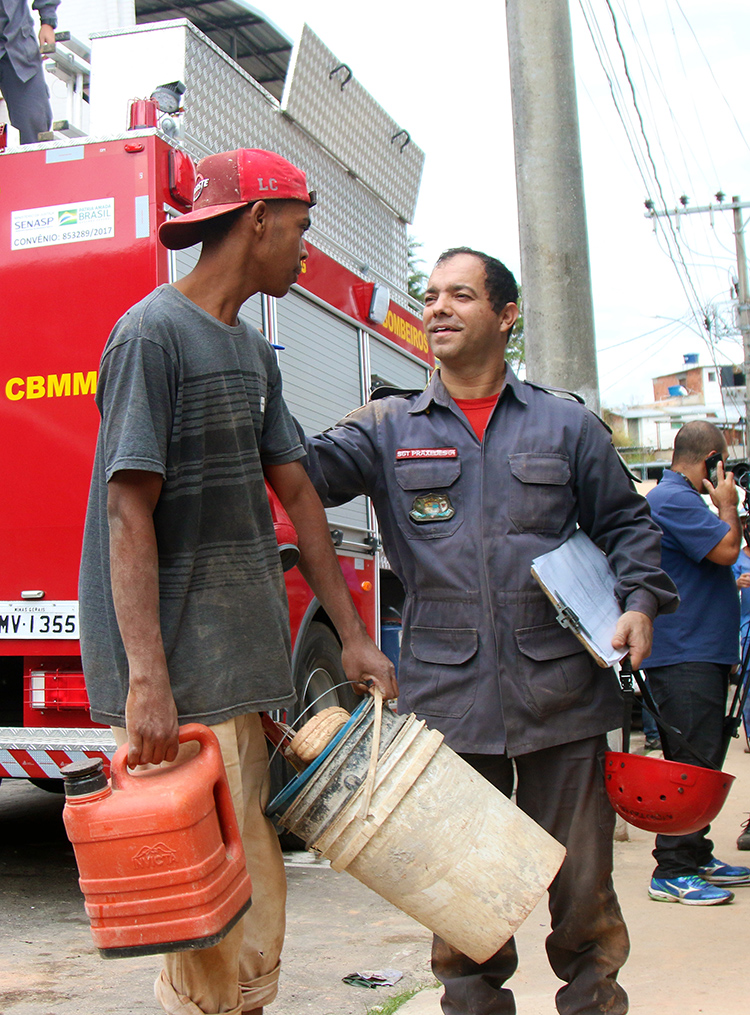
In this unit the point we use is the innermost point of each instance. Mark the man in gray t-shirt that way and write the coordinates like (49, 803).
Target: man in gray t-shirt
(183, 608)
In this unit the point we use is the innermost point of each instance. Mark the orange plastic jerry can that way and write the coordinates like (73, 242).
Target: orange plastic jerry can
(159, 852)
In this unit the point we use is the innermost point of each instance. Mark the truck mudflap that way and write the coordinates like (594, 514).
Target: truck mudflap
(40, 753)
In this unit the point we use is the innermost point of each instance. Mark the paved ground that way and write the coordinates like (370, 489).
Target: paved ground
(684, 961)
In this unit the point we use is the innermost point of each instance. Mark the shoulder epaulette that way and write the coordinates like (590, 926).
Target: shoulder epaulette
(571, 396)
(385, 392)
(382, 392)
(574, 396)
(560, 392)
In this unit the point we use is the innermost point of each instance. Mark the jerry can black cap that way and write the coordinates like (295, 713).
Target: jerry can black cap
(84, 777)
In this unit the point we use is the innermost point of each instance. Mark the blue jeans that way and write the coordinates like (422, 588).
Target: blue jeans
(745, 633)
(692, 697)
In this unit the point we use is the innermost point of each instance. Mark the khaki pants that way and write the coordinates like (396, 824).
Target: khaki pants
(240, 973)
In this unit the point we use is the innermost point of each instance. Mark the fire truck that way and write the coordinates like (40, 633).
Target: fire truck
(79, 214)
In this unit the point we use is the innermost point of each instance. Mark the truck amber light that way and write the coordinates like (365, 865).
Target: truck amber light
(366, 586)
(56, 690)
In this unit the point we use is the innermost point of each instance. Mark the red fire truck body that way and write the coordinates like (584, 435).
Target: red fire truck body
(78, 226)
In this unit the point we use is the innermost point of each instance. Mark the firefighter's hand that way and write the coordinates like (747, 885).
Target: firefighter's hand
(46, 36)
(365, 665)
(635, 632)
(151, 720)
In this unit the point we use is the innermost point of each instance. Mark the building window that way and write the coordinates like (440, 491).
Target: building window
(675, 424)
(711, 377)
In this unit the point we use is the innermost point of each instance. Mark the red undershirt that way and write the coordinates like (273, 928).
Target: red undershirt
(477, 411)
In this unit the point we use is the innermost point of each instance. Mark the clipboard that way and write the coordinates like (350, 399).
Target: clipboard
(580, 584)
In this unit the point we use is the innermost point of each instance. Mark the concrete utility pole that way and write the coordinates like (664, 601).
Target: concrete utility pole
(743, 290)
(555, 269)
(743, 310)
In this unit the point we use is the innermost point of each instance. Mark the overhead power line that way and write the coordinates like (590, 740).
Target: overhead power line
(711, 72)
(684, 276)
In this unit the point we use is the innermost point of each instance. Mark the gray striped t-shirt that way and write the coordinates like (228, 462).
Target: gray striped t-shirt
(198, 402)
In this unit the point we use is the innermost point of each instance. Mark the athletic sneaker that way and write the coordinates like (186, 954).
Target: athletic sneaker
(689, 890)
(719, 873)
(743, 842)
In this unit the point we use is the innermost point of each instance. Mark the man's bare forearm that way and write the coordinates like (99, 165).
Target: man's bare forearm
(319, 564)
(151, 717)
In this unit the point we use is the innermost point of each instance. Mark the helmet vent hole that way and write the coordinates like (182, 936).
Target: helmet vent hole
(662, 797)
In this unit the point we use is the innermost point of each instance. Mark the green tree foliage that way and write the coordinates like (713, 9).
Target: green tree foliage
(516, 351)
(417, 279)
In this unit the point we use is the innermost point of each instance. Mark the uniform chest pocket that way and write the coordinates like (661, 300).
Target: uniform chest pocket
(540, 494)
(429, 495)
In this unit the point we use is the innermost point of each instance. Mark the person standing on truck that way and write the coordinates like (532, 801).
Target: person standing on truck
(184, 616)
(471, 479)
(21, 74)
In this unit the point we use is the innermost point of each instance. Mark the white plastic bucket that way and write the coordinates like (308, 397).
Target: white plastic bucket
(439, 841)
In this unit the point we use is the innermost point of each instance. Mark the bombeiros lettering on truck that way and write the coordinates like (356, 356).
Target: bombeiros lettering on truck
(79, 217)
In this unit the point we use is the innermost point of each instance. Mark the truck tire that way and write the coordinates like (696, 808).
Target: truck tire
(319, 670)
(49, 785)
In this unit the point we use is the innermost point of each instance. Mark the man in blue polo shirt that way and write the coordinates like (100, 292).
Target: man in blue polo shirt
(695, 648)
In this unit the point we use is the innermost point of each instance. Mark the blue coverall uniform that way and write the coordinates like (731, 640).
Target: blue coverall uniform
(21, 75)
(483, 658)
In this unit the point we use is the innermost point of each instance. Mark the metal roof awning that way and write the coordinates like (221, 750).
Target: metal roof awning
(246, 35)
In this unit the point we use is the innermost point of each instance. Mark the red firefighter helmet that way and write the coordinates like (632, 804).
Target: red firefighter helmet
(664, 796)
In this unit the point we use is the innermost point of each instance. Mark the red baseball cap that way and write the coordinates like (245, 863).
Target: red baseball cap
(230, 180)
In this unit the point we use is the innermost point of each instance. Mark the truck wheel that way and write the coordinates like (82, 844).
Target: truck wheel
(318, 672)
(50, 785)
(319, 669)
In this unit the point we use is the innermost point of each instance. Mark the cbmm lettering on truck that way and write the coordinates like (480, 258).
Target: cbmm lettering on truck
(51, 386)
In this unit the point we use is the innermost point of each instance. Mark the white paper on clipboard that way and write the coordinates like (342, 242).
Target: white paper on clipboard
(579, 581)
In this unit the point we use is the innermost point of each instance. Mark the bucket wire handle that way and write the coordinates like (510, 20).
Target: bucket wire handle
(304, 712)
(370, 777)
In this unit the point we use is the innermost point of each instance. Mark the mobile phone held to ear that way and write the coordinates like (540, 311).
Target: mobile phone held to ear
(711, 462)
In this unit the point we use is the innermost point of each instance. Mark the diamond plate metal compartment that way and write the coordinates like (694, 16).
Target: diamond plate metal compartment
(327, 101)
(46, 738)
(226, 109)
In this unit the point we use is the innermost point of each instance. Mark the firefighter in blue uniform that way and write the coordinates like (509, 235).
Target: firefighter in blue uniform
(471, 479)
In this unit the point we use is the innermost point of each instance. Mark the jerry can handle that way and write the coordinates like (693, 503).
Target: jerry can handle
(209, 757)
(120, 772)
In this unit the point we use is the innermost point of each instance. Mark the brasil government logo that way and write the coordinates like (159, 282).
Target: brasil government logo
(67, 217)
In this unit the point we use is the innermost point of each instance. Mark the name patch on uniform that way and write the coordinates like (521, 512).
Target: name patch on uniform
(426, 453)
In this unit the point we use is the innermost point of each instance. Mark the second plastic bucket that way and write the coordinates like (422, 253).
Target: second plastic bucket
(438, 841)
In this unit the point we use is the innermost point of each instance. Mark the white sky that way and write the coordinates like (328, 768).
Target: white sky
(441, 71)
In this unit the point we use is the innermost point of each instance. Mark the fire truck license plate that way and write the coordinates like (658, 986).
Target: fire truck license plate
(40, 619)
